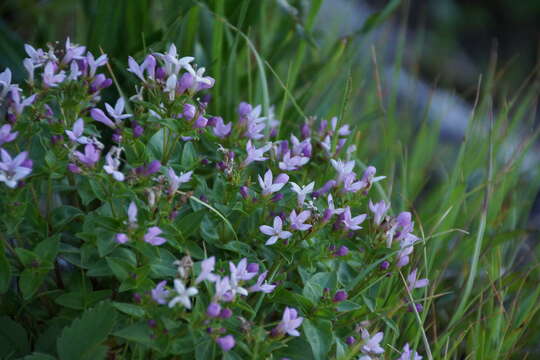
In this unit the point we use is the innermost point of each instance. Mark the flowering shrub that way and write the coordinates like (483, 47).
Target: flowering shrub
(150, 227)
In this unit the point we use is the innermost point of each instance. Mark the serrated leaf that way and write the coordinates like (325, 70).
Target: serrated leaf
(83, 339)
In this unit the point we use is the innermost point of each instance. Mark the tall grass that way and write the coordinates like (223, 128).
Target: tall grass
(472, 200)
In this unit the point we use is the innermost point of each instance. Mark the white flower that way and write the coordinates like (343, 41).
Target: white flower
(276, 232)
(302, 192)
(183, 294)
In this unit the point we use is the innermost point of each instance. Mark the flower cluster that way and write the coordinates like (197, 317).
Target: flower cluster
(274, 234)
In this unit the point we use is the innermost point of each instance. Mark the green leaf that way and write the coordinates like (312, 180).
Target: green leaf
(319, 335)
(189, 223)
(119, 267)
(130, 309)
(13, 339)
(5, 270)
(63, 215)
(239, 247)
(189, 155)
(380, 16)
(84, 337)
(139, 332)
(314, 287)
(30, 281)
(48, 248)
(155, 145)
(38, 356)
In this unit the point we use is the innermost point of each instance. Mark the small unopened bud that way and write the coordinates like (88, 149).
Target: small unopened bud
(341, 295)
(213, 310)
(225, 313)
(350, 340)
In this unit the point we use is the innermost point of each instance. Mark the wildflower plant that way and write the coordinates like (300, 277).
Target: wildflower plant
(152, 215)
(139, 221)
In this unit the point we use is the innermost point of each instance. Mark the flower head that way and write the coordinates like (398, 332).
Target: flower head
(352, 223)
(302, 191)
(254, 154)
(182, 294)
(268, 186)
(289, 323)
(207, 266)
(117, 113)
(90, 156)
(13, 170)
(275, 232)
(221, 129)
(6, 135)
(372, 343)
(414, 283)
(409, 354)
(297, 221)
(160, 293)
(379, 210)
(226, 343)
(262, 285)
(176, 180)
(112, 163)
(152, 236)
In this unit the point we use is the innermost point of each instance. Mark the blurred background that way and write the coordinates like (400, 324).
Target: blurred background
(436, 92)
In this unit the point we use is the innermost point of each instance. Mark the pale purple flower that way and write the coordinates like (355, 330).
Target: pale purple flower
(261, 285)
(343, 168)
(117, 112)
(297, 221)
(372, 343)
(414, 283)
(226, 343)
(379, 210)
(73, 52)
(170, 86)
(234, 282)
(241, 271)
(74, 72)
(352, 223)
(160, 293)
(132, 215)
(6, 135)
(349, 185)
(37, 56)
(255, 124)
(331, 207)
(291, 163)
(94, 63)
(301, 148)
(343, 130)
(369, 177)
(100, 82)
(13, 169)
(244, 109)
(276, 232)
(5, 83)
(213, 310)
(207, 266)
(182, 294)
(112, 163)
(135, 68)
(75, 134)
(406, 249)
(289, 323)
(221, 129)
(121, 238)
(90, 156)
(152, 236)
(409, 354)
(50, 79)
(30, 68)
(223, 289)
(268, 185)
(302, 192)
(173, 64)
(254, 154)
(18, 104)
(176, 180)
(99, 116)
(149, 64)
(200, 122)
(200, 81)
